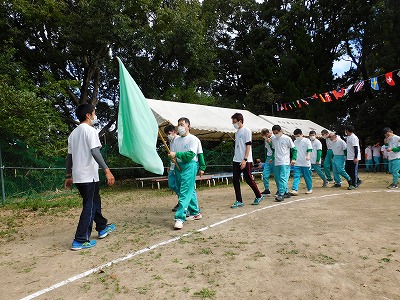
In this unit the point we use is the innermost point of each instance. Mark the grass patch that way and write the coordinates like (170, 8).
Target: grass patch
(205, 293)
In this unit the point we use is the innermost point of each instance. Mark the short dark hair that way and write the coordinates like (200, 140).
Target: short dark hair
(276, 128)
(349, 128)
(297, 131)
(184, 119)
(82, 110)
(169, 128)
(386, 130)
(264, 131)
(312, 132)
(324, 131)
(238, 117)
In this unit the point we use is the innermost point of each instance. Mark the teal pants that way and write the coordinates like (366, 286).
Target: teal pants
(318, 170)
(338, 164)
(306, 173)
(268, 170)
(172, 181)
(394, 168)
(281, 175)
(187, 197)
(377, 162)
(385, 164)
(368, 165)
(328, 164)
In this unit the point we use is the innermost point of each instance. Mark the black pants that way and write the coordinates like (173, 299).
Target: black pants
(91, 211)
(352, 170)
(247, 176)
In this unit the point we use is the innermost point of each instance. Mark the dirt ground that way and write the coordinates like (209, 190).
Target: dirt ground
(333, 244)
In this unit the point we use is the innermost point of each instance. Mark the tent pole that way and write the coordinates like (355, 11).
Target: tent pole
(2, 180)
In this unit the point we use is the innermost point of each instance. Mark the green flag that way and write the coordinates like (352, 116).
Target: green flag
(137, 126)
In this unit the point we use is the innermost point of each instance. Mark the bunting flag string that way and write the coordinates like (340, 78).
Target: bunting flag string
(340, 92)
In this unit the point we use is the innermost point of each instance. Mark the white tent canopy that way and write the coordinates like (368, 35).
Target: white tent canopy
(206, 122)
(289, 125)
(214, 123)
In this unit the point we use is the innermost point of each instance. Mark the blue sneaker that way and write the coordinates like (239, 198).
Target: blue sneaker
(103, 233)
(79, 246)
(237, 204)
(257, 200)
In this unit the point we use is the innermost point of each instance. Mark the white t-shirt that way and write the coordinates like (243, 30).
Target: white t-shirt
(393, 142)
(242, 136)
(352, 140)
(376, 151)
(81, 140)
(316, 145)
(338, 147)
(282, 146)
(368, 153)
(187, 143)
(268, 147)
(328, 143)
(384, 152)
(302, 145)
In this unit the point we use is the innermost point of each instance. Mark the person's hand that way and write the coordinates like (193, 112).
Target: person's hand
(110, 177)
(201, 173)
(389, 149)
(243, 164)
(68, 183)
(317, 162)
(270, 161)
(355, 160)
(307, 158)
(293, 162)
(172, 155)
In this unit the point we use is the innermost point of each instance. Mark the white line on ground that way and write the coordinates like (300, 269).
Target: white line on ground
(141, 251)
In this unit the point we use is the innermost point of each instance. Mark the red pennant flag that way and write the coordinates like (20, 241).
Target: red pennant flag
(298, 102)
(327, 97)
(285, 106)
(282, 108)
(389, 78)
(314, 96)
(338, 93)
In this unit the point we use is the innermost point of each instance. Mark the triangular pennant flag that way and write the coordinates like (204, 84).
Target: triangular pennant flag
(285, 106)
(277, 107)
(314, 96)
(298, 102)
(359, 86)
(374, 83)
(282, 108)
(389, 78)
(290, 106)
(305, 102)
(338, 93)
(327, 97)
(398, 74)
(322, 98)
(294, 104)
(137, 126)
(348, 89)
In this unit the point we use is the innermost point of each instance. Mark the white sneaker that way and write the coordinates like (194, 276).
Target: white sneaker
(178, 224)
(195, 217)
(294, 193)
(309, 192)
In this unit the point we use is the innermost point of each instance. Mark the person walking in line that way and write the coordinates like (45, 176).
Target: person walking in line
(316, 155)
(368, 158)
(376, 154)
(242, 161)
(393, 150)
(285, 154)
(353, 157)
(83, 161)
(328, 155)
(385, 160)
(338, 161)
(303, 163)
(269, 160)
(188, 153)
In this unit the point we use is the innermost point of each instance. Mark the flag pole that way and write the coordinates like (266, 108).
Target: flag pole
(169, 151)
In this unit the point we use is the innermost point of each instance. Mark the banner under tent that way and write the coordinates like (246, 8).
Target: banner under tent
(214, 123)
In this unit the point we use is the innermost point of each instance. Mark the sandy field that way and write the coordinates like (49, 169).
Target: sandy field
(333, 244)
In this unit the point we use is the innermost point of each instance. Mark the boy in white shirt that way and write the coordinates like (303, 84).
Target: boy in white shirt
(393, 149)
(303, 163)
(283, 146)
(368, 158)
(83, 162)
(385, 160)
(328, 155)
(242, 161)
(188, 152)
(269, 160)
(316, 155)
(353, 157)
(338, 147)
(376, 154)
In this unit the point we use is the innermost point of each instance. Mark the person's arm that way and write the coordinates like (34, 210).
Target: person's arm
(319, 155)
(100, 160)
(309, 151)
(355, 153)
(396, 149)
(68, 175)
(186, 156)
(294, 155)
(202, 163)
